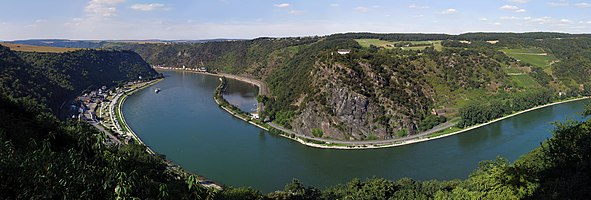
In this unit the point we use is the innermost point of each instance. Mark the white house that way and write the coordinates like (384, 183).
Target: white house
(344, 51)
(254, 115)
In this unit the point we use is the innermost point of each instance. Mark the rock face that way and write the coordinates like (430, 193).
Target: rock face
(343, 108)
(349, 116)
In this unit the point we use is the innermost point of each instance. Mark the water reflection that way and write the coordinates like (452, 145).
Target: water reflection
(242, 95)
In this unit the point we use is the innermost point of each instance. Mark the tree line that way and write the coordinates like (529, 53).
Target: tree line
(486, 110)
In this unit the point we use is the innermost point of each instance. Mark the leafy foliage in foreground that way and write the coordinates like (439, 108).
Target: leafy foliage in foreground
(559, 169)
(42, 157)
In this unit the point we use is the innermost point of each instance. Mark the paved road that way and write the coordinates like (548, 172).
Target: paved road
(102, 129)
(263, 89)
(371, 142)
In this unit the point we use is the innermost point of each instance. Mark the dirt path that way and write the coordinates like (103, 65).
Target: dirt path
(533, 54)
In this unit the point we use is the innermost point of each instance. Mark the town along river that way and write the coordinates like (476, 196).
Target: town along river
(184, 123)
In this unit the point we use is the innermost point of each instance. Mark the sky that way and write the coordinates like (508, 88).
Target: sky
(242, 19)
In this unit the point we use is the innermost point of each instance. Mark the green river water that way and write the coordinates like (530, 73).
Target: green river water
(184, 123)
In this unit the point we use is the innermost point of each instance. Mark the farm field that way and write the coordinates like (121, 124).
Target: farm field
(524, 81)
(31, 48)
(424, 44)
(383, 43)
(535, 56)
(376, 42)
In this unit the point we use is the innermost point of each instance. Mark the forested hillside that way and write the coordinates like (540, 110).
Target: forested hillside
(42, 157)
(57, 78)
(406, 84)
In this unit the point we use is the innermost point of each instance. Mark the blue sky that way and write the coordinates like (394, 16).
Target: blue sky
(206, 19)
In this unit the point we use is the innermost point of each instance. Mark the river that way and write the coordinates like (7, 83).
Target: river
(184, 123)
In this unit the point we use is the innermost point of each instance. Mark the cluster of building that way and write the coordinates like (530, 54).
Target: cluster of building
(85, 106)
(197, 69)
(98, 108)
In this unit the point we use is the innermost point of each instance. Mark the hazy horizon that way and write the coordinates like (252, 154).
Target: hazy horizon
(233, 19)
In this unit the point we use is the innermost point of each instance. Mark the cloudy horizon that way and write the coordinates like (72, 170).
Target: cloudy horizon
(209, 19)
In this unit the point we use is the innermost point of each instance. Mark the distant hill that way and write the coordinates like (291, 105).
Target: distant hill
(62, 43)
(31, 48)
(96, 44)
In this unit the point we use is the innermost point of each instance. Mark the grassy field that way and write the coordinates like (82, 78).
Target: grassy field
(376, 42)
(524, 81)
(424, 44)
(383, 43)
(535, 56)
(512, 70)
(31, 48)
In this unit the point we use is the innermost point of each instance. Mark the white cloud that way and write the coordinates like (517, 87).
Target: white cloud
(583, 5)
(565, 21)
(361, 9)
(413, 6)
(102, 8)
(559, 3)
(509, 7)
(497, 24)
(334, 5)
(483, 19)
(541, 20)
(549, 21)
(74, 22)
(449, 11)
(512, 8)
(282, 5)
(517, 1)
(149, 7)
(295, 12)
(508, 18)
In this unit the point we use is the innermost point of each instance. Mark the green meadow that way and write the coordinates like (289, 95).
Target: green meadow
(383, 43)
(534, 56)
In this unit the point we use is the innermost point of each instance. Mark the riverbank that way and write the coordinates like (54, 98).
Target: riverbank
(234, 111)
(339, 144)
(405, 141)
(124, 128)
(119, 113)
(263, 90)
